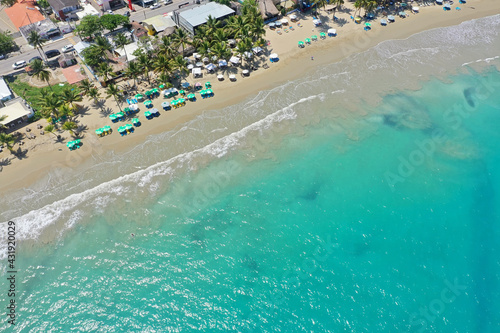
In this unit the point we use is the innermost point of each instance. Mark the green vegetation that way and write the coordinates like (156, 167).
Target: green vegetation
(6, 42)
(8, 3)
(91, 26)
(33, 94)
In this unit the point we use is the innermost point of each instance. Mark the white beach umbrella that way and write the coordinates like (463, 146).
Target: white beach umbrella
(220, 77)
(210, 67)
(284, 21)
(196, 56)
(332, 32)
(293, 17)
(415, 9)
(273, 56)
(246, 72)
(190, 66)
(205, 59)
(232, 77)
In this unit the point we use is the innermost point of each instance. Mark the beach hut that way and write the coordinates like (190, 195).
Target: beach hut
(274, 57)
(257, 50)
(210, 67)
(197, 72)
(232, 77)
(234, 60)
(222, 63)
(332, 32)
(220, 77)
(301, 44)
(166, 106)
(391, 18)
(383, 22)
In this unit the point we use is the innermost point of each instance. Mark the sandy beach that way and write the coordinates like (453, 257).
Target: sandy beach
(45, 154)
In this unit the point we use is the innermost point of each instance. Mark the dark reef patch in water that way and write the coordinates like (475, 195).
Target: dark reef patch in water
(468, 94)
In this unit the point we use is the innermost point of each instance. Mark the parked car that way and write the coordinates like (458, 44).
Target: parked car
(67, 48)
(52, 53)
(35, 58)
(154, 6)
(167, 2)
(19, 64)
(3, 56)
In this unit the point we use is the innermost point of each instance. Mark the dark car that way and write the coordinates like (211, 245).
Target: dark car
(127, 14)
(52, 53)
(35, 58)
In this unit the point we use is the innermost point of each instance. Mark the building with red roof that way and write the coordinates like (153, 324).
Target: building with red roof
(24, 13)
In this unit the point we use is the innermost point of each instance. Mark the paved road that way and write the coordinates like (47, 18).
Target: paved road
(138, 16)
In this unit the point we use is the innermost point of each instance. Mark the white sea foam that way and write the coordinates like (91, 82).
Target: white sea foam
(257, 114)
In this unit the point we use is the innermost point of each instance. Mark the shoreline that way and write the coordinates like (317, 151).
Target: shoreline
(293, 64)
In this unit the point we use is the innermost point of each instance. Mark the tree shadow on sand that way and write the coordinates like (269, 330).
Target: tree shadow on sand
(83, 110)
(20, 153)
(4, 162)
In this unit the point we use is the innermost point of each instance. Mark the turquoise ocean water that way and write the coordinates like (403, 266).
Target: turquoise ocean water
(362, 198)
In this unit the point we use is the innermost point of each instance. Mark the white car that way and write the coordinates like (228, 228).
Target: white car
(156, 5)
(110, 11)
(67, 48)
(167, 2)
(19, 64)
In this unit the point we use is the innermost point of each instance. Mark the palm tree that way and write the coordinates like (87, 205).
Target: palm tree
(211, 26)
(105, 70)
(94, 93)
(358, 5)
(70, 126)
(69, 96)
(66, 111)
(146, 63)
(132, 72)
(103, 45)
(180, 64)
(243, 46)
(51, 129)
(8, 140)
(181, 38)
(120, 41)
(37, 41)
(338, 4)
(50, 104)
(204, 48)
(320, 3)
(238, 26)
(221, 51)
(39, 71)
(115, 91)
(165, 46)
(2, 118)
(220, 35)
(86, 85)
(164, 78)
(161, 64)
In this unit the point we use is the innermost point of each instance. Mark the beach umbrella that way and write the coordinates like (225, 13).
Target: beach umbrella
(199, 64)
(220, 77)
(293, 17)
(196, 55)
(133, 107)
(257, 50)
(107, 128)
(128, 126)
(190, 66)
(332, 32)
(284, 21)
(155, 110)
(313, 37)
(272, 25)
(214, 58)
(357, 19)
(185, 85)
(197, 85)
(120, 114)
(139, 96)
(391, 18)
(248, 55)
(147, 114)
(415, 9)
(190, 96)
(447, 6)
(127, 109)
(383, 21)
(112, 117)
(403, 14)
(165, 104)
(246, 72)
(308, 40)
(162, 86)
(205, 60)
(273, 56)
(404, 4)
(277, 23)
(182, 92)
(210, 67)
(222, 63)
(322, 35)
(301, 43)
(121, 129)
(174, 102)
(232, 77)
(135, 120)
(98, 131)
(439, 2)
(208, 84)
(368, 24)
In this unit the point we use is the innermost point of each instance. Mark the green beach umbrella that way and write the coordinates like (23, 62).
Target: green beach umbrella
(314, 37)
(155, 90)
(77, 141)
(301, 43)
(135, 120)
(98, 131)
(147, 113)
(190, 96)
(182, 100)
(70, 144)
(162, 86)
(128, 126)
(308, 40)
(107, 127)
(182, 92)
(322, 34)
(139, 96)
(112, 116)
(210, 91)
(120, 114)
(173, 103)
(368, 24)
(208, 85)
(127, 109)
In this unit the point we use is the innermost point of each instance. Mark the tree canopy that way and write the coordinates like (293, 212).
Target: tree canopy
(111, 21)
(8, 3)
(89, 25)
(6, 42)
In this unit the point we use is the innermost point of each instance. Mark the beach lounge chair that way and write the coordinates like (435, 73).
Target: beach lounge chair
(278, 31)
(286, 30)
(292, 28)
(299, 24)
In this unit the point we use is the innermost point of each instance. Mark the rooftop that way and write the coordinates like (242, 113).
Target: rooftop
(160, 22)
(4, 89)
(23, 13)
(58, 5)
(14, 111)
(73, 74)
(44, 28)
(198, 15)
